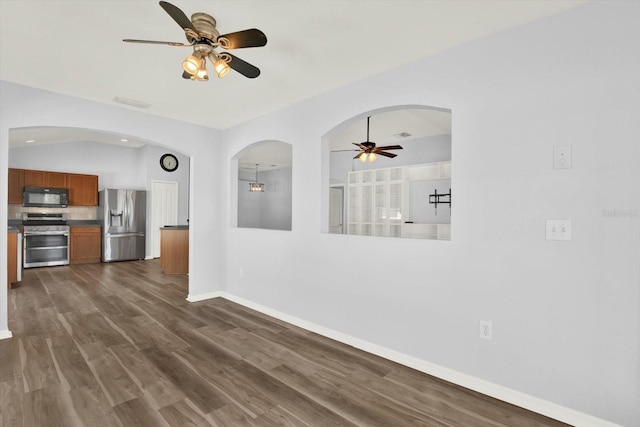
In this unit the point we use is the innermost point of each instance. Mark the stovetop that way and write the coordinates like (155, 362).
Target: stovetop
(44, 222)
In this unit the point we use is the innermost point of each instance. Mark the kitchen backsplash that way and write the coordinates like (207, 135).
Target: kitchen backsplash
(73, 212)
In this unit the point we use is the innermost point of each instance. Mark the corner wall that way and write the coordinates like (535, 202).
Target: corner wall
(566, 315)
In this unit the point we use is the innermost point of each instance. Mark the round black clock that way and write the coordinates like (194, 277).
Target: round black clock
(169, 162)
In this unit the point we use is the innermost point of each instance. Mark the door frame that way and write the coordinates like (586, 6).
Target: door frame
(343, 187)
(152, 211)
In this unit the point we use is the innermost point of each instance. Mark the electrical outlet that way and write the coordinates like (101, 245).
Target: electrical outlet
(562, 157)
(241, 272)
(558, 229)
(486, 329)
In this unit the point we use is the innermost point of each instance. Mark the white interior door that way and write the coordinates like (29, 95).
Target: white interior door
(164, 196)
(336, 210)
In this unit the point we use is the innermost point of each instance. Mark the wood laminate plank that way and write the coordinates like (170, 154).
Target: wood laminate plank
(93, 327)
(117, 345)
(72, 368)
(156, 385)
(11, 397)
(38, 369)
(10, 367)
(49, 407)
(115, 381)
(139, 413)
(180, 414)
(198, 390)
(92, 407)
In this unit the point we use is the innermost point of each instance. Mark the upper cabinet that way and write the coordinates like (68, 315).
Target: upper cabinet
(45, 179)
(16, 182)
(83, 190)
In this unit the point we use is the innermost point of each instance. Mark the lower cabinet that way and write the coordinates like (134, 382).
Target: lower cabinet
(85, 245)
(12, 258)
(174, 251)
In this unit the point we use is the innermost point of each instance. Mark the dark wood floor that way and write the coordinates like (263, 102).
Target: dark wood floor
(118, 345)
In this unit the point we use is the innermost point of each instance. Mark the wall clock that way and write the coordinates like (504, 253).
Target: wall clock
(169, 162)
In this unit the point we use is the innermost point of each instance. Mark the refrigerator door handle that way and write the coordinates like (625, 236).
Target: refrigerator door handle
(124, 235)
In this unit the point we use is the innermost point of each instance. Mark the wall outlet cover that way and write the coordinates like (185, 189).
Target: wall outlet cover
(562, 157)
(558, 229)
(486, 329)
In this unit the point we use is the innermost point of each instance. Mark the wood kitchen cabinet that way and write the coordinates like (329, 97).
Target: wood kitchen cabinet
(35, 178)
(83, 189)
(12, 258)
(174, 250)
(16, 183)
(85, 245)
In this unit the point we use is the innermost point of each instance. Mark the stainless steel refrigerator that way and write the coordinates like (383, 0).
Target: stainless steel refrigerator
(122, 214)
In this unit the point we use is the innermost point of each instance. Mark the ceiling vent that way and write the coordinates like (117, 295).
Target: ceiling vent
(131, 102)
(402, 135)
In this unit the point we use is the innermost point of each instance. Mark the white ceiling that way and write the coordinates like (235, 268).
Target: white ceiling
(74, 47)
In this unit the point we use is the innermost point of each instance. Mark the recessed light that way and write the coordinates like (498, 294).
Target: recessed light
(124, 140)
(28, 141)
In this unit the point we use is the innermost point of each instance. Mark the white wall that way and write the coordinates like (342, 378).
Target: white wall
(21, 106)
(566, 315)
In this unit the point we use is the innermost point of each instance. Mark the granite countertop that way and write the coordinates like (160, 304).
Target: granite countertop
(175, 227)
(12, 229)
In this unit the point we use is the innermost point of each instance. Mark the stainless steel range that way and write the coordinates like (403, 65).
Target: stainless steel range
(46, 240)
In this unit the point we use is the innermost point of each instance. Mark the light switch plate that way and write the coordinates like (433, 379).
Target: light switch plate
(558, 229)
(562, 157)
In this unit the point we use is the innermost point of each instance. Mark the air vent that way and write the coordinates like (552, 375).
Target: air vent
(402, 135)
(131, 102)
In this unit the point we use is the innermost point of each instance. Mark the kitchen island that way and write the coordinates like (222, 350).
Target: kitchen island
(174, 249)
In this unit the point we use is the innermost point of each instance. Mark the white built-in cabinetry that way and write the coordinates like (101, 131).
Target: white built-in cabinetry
(378, 199)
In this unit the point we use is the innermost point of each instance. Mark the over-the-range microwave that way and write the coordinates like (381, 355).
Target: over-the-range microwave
(41, 197)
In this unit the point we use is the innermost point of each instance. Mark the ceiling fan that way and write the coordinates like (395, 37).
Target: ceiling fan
(203, 36)
(369, 151)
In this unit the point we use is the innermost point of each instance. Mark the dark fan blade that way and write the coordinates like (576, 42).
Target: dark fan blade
(177, 15)
(186, 75)
(154, 42)
(362, 147)
(389, 147)
(241, 39)
(243, 67)
(357, 156)
(383, 153)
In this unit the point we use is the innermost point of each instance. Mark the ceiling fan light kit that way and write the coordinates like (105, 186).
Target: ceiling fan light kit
(363, 157)
(204, 38)
(369, 151)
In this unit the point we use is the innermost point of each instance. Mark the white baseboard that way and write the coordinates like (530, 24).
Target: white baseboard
(505, 394)
(208, 295)
(5, 334)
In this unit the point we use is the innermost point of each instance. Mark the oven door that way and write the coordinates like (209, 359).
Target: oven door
(46, 249)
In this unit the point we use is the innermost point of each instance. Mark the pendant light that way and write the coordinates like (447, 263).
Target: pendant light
(256, 187)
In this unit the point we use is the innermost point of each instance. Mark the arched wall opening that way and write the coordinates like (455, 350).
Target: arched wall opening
(261, 186)
(387, 173)
(121, 161)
